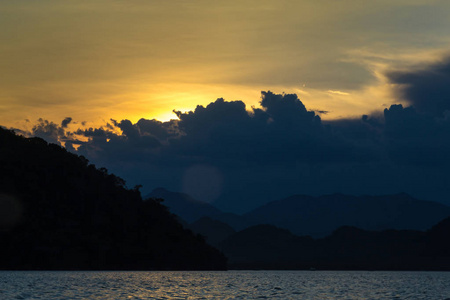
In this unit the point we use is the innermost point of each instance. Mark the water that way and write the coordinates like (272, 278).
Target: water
(224, 285)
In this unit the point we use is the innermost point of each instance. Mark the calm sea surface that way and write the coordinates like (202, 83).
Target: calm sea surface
(224, 285)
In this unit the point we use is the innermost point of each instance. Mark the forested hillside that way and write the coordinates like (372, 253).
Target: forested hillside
(57, 211)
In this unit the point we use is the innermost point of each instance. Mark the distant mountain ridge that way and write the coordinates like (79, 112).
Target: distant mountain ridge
(318, 216)
(213, 230)
(391, 232)
(183, 205)
(347, 248)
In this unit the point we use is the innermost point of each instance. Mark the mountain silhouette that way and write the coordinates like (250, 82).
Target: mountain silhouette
(320, 216)
(347, 248)
(267, 247)
(183, 205)
(214, 231)
(58, 212)
(191, 210)
(438, 242)
(317, 216)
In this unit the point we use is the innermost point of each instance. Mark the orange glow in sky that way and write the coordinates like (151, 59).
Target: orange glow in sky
(96, 60)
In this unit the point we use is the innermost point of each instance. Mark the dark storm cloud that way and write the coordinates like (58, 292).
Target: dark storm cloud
(417, 138)
(124, 143)
(363, 133)
(93, 132)
(54, 133)
(282, 131)
(66, 122)
(154, 128)
(288, 109)
(420, 133)
(160, 130)
(49, 131)
(427, 89)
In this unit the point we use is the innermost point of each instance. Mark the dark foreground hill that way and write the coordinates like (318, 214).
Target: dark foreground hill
(348, 248)
(59, 212)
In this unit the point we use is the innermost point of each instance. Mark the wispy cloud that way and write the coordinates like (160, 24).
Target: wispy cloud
(338, 93)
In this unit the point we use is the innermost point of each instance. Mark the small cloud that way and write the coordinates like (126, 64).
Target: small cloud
(338, 92)
(66, 122)
(322, 112)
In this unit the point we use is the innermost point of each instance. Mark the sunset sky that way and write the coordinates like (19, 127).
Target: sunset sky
(96, 60)
(92, 75)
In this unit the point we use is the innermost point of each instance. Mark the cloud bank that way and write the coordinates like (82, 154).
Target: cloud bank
(240, 157)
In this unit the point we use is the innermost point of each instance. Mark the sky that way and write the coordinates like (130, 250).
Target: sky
(357, 100)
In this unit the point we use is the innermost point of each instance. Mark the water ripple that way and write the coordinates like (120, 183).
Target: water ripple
(224, 285)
